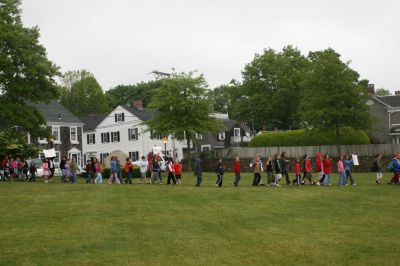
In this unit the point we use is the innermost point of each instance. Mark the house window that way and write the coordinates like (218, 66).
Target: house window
(55, 132)
(105, 137)
(396, 139)
(199, 136)
(236, 133)
(73, 134)
(91, 139)
(119, 117)
(134, 156)
(221, 136)
(154, 136)
(115, 136)
(133, 134)
(103, 156)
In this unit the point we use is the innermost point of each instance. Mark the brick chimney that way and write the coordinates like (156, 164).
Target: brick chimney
(138, 104)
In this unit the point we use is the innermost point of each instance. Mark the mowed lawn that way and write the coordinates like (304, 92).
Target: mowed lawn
(64, 224)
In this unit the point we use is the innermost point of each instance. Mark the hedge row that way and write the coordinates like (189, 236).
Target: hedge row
(303, 137)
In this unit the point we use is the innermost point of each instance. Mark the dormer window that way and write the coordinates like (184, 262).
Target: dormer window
(221, 136)
(119, 117)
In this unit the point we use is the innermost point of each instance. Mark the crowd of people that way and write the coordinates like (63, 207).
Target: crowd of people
(151, 168)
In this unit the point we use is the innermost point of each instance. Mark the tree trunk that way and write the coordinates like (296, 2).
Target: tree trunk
(337, 129)
(188, 158)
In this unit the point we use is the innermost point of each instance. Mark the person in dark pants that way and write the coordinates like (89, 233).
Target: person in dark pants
(237, 171)
(62, 167)
(277, 169)
(89, 172)
(270, 171)
(129, 170)
(284, 165)
(51, 168)
(257, 170)
(219, 170)
(197, 171)
(32, 171)
(171, 171)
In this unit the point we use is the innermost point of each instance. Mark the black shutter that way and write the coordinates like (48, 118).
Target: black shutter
(136, 134)
(118, 136)
(94, 138)
(102, 137)
(115, 115)
(87, 138)
(123, 117)
(129, 134)
(108, 136)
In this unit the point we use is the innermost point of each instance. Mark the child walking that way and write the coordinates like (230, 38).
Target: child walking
(341, 171)
(99, 172)
(46, 171)
(327, 170)
(236, 167)
(144, 164)
(178, 171)
(347, 164)
(377, 167)
(297, 173)
(270, 171)
(32, 171)
(219, 170)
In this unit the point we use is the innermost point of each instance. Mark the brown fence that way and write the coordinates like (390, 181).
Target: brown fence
(294, 152)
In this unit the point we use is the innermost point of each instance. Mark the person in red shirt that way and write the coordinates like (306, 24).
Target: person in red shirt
(327, 170)
(297, 170)
(307, 170)
(319, 169)
(178, 171)
(237, 171)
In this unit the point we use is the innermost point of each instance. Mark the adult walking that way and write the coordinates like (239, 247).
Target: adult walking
(257, 170)
(171, 171)
(114, 171)
(347, 166)
(307, 170)
(278, 169)
(129, 170)
(377, 168)
(197, 171)
(74, 169)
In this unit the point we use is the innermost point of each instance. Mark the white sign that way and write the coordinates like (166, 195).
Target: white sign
(355, 159)
(156, 150)
(51, 153)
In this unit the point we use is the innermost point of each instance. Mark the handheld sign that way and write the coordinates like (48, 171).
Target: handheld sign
(355, 159)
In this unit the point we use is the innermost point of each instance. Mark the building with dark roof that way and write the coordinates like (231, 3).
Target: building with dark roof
(66, 129)
(386, 113)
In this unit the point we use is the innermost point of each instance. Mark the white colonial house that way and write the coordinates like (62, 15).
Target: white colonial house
(124, 130)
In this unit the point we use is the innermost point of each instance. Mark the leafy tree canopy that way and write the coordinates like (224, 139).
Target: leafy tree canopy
(26, 75)
(82, 94)
(382, 92)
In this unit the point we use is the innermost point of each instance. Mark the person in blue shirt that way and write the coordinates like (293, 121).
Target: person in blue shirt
(347, 164)
(197, 171)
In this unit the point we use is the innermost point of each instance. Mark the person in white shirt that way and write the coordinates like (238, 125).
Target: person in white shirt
(144, 164)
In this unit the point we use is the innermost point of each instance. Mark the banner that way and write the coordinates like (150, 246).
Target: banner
(156, 150)
(355, 159)
(51, 153)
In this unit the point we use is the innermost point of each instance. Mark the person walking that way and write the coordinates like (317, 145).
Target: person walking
(156, 169)
(341, 171)
(307, 170)
(89, 172)
(129, 170)
(171, 171)
(347, 165)
(327, 168)
(257, 170)
(236, 168)
(219, 170)
(178, 170)
(74, 169)
(144, 165)
(319, 168)
(270, 171)
(377, 168)
(197, 171)
(119, 174)
(51, 168)
(284, 165)
(114, 171)
(62, 168)
(46, 172)
(277, 169)
(99, 172)
(67, 168)
(297, 173)
(396, 170)
(32, 172)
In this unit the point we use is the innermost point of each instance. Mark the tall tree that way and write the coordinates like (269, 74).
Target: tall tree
(182, 108)
(333, 96)
(26, 75)
(123, 94)
(222, 97)
(271, 89)
(84, 96)
(382, 92)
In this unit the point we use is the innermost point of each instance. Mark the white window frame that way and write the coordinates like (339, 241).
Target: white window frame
(135, 135)
(120, 117)
(42, 140)
(221, 135)
(91, 138)
(73, 141)
(199, 136)
(115, 136)
(134, 156)
(235, 130)
(103, 156)
(56, 140)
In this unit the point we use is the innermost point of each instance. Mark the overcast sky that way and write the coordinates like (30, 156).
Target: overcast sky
(121, 41)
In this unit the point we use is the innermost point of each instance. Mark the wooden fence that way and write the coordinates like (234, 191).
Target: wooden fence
(294, 152)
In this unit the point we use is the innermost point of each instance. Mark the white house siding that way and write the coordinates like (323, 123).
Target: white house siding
(143, 144)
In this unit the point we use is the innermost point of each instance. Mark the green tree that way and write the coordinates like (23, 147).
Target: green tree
(222, 97)
(123, 94)
(271, 89)
(82, 94)
(26, 75)
(382, 92)
(333, 97)
(182, 109)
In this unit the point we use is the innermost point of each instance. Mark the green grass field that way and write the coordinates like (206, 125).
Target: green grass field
(64, 224)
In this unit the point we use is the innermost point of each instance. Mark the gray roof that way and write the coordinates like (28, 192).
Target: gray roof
(392, 100)
(55, 112)
(92, 121)
(142, 114)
